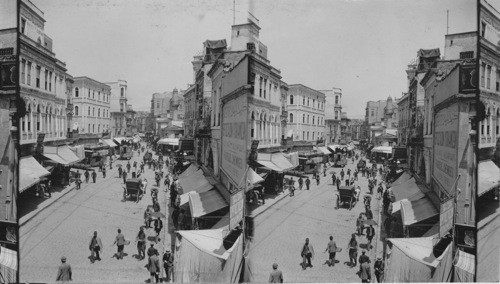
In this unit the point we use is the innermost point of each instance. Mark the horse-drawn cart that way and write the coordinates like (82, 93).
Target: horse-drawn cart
(346, 196)
(133, 188)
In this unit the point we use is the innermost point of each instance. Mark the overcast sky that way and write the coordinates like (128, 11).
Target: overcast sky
(360, 46)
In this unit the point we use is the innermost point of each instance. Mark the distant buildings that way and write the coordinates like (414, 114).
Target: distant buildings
(91, 106)
(333, 115)
(381, 119)
(306, 111)
(168, 111)
(118, 108)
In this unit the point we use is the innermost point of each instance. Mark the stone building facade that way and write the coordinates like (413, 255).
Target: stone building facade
(333, 115)
(306, 111)
(118, 108)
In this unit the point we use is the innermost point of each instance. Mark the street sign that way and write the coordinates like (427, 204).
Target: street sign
(236, 209)
(446, 217)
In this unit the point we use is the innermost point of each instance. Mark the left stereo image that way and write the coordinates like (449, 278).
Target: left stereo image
(10, 105)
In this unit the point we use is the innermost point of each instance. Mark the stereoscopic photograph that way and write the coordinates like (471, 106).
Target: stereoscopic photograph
(249, 141)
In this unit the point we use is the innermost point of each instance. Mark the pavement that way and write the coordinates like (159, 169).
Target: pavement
(63, 226)
(280, 232)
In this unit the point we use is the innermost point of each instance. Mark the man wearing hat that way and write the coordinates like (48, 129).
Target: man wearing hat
(331, 248)
(379, 269)
(95, 246)
(276, 275)
(168, 264)
(152, 250)
(64, 273)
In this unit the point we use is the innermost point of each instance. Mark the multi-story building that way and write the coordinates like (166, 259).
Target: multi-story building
(43, 80)
(130, 121)
(344, 129)
(141, 121)
(306, 111)
(488, 185)
(91, 106)
(357, 130)
(190, 112)
(381, 118)
(168, 107)
(118, 108)
(333, 115)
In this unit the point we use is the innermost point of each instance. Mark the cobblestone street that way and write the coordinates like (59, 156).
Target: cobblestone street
(281, 232)
(65, 229)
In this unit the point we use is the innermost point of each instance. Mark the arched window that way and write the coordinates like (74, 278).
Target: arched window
(76, 93)
(291, 99)
(291, 117)
(76, 110)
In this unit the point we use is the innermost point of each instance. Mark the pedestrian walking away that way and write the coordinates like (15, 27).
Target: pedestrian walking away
(168, 265)
(124, 175)
(317, 179)
(291, 187)
(95, 247)
(64, 272)
(94, 176)
(276, 275)
(370, 233)
(308, 183)
(301, 183)
(87, 175)
(352, 246)
(141, 243)
(154, 267)
(307, 254)
(78, 183)
(49, 188)
(158, 227)
(331, 248)
(104, 172)
(120, 242)
(152, 250)
(128, 166)
(365, 273)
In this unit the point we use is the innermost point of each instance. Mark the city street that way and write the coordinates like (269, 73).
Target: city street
(281, 231)
(66, 227)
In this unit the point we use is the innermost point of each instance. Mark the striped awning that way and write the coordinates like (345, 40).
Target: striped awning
(465, 267)
(8, 265)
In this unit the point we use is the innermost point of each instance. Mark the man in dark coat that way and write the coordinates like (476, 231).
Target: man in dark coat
(95, 246)
(365, 273)
(124, 175)
(104, 172)
(94, 176)
(64, 273)
(168, 264)
(379, 269)
(307, 254)
(154, 267)
(120, 171)
(308, 183)
(87, 175)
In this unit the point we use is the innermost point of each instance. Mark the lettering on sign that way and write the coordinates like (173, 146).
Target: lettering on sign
(236, 209)
(445, 147)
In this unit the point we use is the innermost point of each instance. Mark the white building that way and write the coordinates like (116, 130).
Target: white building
(118, 108)
(91, 106)
(306, 111)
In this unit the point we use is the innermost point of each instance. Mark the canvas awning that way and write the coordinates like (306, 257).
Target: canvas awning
(489, 177)
(118, 140)
(109, 142)
(415, 211)
(190, 170)
(324, 150)
(253, 179)
(169, 141)
(382, 149)
(488, 234)
(8, 265)
(402, 179)
(465, 267)
(61, 155)
(333, 147)
(30, 172)
(275, 161)
(407, 190)
(194, 182)
(205, 203)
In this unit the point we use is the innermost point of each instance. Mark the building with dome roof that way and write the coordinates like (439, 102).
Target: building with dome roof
(167, 109)
(382, 119)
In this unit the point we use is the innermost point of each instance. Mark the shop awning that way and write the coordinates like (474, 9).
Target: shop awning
(208, 241)
(190, 170)
(275, 161)
(205, 203)
(465, 267)
(488, 234)
(415, 211)
(408, 190)
(61, 154)
(109, 142)
(31, 172)
(194, 182)
(169, 141)
(382, 149)
(8, 265)
(334, 147)
(324, 150)
(402, 179)
(119, 140)
(253, 179)
(489, 177)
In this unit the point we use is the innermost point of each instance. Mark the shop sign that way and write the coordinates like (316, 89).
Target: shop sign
(468, 79)
(234, 138)
(236, 209)
(446, 217)
(445, 147)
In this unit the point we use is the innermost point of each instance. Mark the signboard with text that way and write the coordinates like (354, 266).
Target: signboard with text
(445, 147)
(236, 209)
(446, 217)
(234, 138)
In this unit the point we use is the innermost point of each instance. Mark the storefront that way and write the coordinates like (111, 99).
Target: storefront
(32, 173)
(168, 145)
(275, 165)
(96, 155)
(62, 158)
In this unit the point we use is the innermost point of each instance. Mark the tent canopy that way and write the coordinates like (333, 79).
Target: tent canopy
(419, 249)
(408, 190)
(205, 203)
(169, 141)
(465, 267)
(382, 149)
(190, 170)
(489, 176)
(402, 179)
(253, 179)
(194, 182)
(31, 171)
(275, 161)
(324, 150)
(61, 154)
(109, 142)
(415, 211)
(8, 265)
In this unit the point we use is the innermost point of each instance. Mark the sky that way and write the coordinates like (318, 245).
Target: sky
(360, 46)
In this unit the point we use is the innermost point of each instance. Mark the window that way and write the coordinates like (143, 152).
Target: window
(303, 135)
(38, 71)
(89, 93)
(488, 76)
(483, 71)
(23, 25)
(265, 84)
(93, 94)
(313, 119)
(28, 79)
(50, 81)
(98, 112)
(89, 115)
(122, 92)
(304, 100)
(308, 101)
(372, 113)
(314, 102)
(307, 118)
(497, 88)
(482, 128)
(99, 96)
(483, 28)
(260, 87)
(336, 100)
(291, 117)
(76, 93)
(88, 129)
(23, 71)
(76, 110)
(466, 54)
(303, 118)
(46, 77)
(291, 99)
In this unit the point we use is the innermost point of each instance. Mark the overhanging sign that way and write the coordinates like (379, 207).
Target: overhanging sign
(236, 209)
(446, 218)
